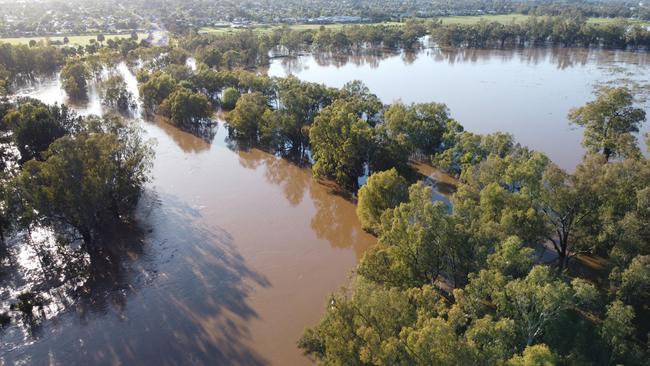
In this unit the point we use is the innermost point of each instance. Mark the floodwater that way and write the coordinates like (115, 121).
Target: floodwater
(527, 92)
(235, 252)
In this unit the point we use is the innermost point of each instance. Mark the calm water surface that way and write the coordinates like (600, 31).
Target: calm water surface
(236, 252)
(525, 92)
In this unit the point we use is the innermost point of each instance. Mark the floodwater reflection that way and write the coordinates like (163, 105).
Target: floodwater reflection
(178, 294)
(527, 92)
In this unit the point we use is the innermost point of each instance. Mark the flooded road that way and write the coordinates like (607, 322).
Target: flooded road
(527, 92)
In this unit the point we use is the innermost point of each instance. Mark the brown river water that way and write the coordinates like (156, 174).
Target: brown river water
(527, 92)
(236, 252)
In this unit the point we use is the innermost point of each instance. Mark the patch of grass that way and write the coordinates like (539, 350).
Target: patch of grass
(472, 19)
(464, 20)
(74, 40)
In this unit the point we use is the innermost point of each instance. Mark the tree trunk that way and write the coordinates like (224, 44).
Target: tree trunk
(607, 152)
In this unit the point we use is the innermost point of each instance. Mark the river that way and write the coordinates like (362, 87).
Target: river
(236, 252)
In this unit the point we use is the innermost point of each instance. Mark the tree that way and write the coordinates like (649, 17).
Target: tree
(618, 331)
(89, 180)
(115, 94)
(534, 302)
(35, 126)
(339, 140)
(423, 124)
(384, 190)
(565, 203)
(246, 116)
(74, 75)
(367, 105)
(635, 280)
(185, 107)
(229, 99)
(416, 243)
(385, 326)
(610, 122)
(537, 355)
(155, 89)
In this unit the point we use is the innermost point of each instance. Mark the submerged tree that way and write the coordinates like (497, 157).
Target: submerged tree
(339, 140)
(247, 115)
(185, 107)
(89, 180)
(35, 126)
(115, 94)
(74, 77)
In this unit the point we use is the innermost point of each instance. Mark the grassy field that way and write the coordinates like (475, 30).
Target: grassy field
(76, 40)
(507, 18)
(501, 18)
(268, 28)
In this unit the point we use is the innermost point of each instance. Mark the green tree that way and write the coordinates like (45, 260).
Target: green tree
(618, 331)
(246, 116)
(89, 180)
(610, 122)
(185, 107)
(35, 126)
(366, 104)
(416, 243)
(339, 140)
(423, 124)
(380, 326)
(384, 190)
(537, 355)
(74, 77)
(566, 203)
(229, 99)
(154, 89)
(115, 94)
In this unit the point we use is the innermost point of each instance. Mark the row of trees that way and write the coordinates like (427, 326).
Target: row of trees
(465, 287)
(538, 31)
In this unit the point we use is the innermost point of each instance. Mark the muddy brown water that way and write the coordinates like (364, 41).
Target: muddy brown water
(237, 251)
(527, 92)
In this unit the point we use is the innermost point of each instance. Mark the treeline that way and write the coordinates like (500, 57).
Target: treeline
(566, 31)
(467, 286)
(596, 9)
(23, 63)
(248, 49)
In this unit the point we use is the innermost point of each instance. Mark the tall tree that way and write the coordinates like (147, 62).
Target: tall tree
(89, 180)
(610, 122)
(74, 77)
(383, 190)
(339, 140)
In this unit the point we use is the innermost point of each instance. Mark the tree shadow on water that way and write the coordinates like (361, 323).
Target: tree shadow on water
(172, 291)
